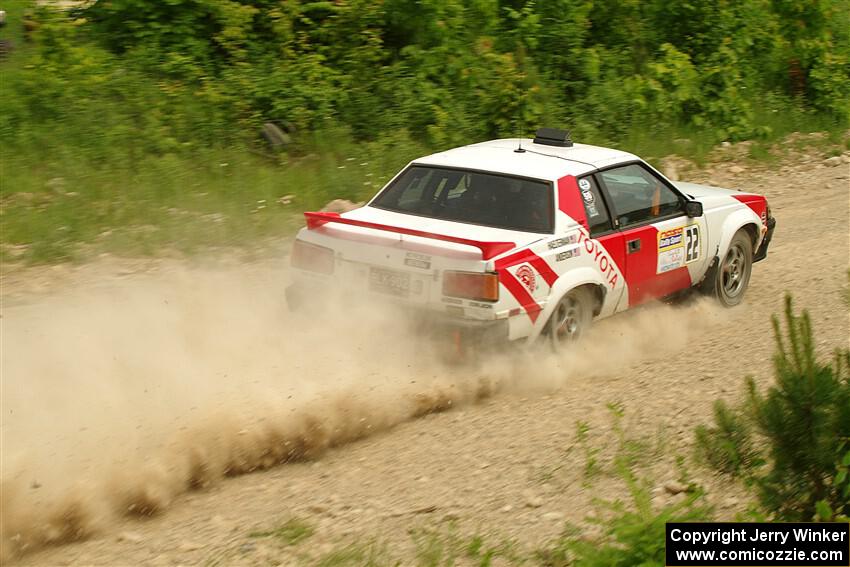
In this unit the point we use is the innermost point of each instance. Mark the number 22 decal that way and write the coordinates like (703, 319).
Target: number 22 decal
(692, 243)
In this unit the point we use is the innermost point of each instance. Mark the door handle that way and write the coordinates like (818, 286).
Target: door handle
(633, 245)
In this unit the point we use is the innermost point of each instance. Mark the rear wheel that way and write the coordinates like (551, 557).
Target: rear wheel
(570, 319)
(733, 273)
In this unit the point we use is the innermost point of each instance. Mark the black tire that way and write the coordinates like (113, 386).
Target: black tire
(571, 318)
(732, 275)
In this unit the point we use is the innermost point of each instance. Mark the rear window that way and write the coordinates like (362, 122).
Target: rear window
(472, 197)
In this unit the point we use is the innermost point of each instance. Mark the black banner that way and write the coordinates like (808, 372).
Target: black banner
(761, 544)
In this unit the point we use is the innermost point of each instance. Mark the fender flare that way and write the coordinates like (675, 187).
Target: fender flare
(562, 286)
(735, 222)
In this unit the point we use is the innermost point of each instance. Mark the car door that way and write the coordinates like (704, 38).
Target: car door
(663, 246)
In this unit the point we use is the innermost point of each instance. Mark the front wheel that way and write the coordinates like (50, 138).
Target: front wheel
(733, 273)
(570, 319)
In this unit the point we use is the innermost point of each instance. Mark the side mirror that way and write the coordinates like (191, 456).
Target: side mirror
(693, 209)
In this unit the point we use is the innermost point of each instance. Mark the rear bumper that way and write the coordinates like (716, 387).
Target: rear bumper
(761, 253)
(471, 332)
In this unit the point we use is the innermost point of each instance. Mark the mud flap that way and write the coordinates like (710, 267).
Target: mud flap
(761, 253)
(706, 286)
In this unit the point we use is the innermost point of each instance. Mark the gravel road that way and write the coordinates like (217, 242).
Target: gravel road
(506, 464)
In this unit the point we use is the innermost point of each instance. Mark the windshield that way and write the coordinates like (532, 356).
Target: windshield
(472, 197)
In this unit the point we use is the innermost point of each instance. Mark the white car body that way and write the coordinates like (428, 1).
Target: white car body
(403, 257)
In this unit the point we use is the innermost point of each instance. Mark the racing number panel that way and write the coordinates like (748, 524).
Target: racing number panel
(648, 275)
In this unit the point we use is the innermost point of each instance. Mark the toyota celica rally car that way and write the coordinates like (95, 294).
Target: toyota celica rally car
(531, 239)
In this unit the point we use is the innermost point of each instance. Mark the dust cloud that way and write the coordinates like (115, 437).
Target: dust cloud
(118, 396)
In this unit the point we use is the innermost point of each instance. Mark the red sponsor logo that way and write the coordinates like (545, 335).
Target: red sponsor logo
(526, 275)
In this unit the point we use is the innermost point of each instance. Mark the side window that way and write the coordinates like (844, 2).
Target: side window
(598, 219)
(639, 196)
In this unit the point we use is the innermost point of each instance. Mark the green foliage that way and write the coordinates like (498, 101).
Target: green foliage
(291, 532)
(128, 101)
(824, 509)
(806, 418)
(631, 533)
(631, 537)
(370, 554)
(728, 445)
(803, 424)
(627, 532)
(443, 69)
(444, 546)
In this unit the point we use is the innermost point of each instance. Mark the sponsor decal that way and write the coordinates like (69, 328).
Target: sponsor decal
(670, 238)
(526, 275)
(480, 305)
(512, 283)
(671, 252)
(601, 257)
(558, 242)
(567, 254)
(588, 198)
(677, 247)
(415, 260)
(671, 259)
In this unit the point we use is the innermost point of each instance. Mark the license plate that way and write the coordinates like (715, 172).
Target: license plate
(390, 282)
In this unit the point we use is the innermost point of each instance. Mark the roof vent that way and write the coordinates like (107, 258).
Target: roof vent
(553, 137)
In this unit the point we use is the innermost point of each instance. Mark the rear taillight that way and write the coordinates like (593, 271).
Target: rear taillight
(306, 256)
(471, 285)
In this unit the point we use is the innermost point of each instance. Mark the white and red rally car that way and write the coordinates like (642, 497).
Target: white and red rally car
(522, 239)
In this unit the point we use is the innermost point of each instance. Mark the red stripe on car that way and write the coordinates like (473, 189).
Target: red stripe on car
(569, 201)
(539, 264)
(757, 203)
(488, 249)
(526, 301)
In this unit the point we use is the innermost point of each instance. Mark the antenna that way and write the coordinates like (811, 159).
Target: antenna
(520, 125)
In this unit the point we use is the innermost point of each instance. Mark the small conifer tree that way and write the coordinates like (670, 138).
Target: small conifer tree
(792, 441)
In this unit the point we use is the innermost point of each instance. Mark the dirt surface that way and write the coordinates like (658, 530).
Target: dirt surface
(131, 388)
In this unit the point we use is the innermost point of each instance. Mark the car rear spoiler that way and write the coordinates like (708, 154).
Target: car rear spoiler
(488, 249)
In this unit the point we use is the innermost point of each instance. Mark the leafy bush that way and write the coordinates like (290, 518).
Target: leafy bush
(791, 441)
(103, 95)
(444, 70)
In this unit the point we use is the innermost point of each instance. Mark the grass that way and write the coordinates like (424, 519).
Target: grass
(66, 210)
(106, 173)
(436, 546)
(357, 555)
(99, 171)
(444, 545)
(290, 533)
